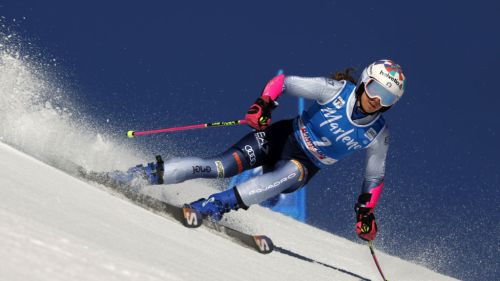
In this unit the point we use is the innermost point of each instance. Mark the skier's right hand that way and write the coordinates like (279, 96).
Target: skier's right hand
(259, 114)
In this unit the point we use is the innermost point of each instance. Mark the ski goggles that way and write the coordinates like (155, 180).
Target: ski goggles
(375, 89)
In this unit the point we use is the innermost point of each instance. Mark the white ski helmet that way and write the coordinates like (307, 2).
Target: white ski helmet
(384, 79)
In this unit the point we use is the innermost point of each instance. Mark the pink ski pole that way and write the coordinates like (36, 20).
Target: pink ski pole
(132, 134)
(370, 245)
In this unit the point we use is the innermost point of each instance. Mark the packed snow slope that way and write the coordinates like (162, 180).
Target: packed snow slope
(54, 226)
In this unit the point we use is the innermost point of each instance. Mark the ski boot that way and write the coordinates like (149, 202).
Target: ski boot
(152, 173)
(217, 204)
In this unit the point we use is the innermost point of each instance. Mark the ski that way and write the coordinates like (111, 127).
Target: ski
(261, 243)
(191, 219)
(185, 215)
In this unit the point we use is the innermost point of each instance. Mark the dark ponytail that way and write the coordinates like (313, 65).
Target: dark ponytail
(347, 75)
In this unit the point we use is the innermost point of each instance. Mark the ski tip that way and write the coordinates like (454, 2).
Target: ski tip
(263, 244)
(191, 217)
(130, 134)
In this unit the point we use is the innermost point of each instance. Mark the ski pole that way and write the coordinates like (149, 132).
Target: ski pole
(132, 134)
(370, 245)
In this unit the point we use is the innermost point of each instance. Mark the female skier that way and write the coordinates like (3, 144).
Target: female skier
(345, 118)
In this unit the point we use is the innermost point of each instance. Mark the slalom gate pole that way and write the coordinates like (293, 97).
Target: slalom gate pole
(132, 134)
(370, 245)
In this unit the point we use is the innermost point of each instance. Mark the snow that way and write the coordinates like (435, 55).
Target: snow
(54, 226)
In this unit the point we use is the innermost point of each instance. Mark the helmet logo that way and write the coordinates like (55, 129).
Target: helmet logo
(393, 69)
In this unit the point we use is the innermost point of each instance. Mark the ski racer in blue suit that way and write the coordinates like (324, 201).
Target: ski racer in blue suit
(346, 117)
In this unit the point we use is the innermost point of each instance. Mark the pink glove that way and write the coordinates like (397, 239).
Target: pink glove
(366, 227)
(259, 114)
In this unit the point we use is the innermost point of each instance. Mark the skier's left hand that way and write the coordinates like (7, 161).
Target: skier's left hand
(366, 227)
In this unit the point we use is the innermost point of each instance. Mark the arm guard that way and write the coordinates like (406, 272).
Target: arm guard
(274, 88)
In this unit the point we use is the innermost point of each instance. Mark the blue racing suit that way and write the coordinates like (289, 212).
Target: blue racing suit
(292, 151)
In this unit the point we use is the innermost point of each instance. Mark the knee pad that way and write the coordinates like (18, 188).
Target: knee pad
(302, 170)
